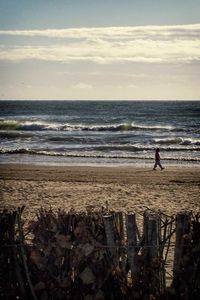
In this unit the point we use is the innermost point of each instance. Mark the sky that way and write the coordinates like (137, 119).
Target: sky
(100, 50)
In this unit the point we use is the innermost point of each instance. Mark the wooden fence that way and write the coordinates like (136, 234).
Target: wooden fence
(99, 255)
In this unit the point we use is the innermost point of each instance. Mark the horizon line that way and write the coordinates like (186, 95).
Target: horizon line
(100, 100)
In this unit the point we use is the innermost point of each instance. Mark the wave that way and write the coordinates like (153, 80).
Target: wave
(23, 151)
(142, 148)
(41, 125)
(190, 141)
(8, 125)
(13, 134)
(177, 141)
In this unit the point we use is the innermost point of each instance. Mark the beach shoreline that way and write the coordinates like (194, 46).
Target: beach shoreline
(127, 189)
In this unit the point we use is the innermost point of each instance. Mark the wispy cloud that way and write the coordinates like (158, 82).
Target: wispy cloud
(82, 86)
(112, 32)
(147, 44)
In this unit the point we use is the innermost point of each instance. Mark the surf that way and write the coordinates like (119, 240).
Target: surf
(27, 151)
(53, 126)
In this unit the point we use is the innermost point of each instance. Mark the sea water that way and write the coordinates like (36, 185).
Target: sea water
(99, 132)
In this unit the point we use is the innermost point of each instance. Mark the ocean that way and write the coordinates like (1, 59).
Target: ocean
(99, 132)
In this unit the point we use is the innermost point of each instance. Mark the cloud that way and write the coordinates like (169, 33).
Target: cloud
(105, 45)
(82, 86)
(112, 32)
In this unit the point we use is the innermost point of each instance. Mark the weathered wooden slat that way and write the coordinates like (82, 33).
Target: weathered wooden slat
(132, 243)
(183, 221)
(109, 229)
(154, 274)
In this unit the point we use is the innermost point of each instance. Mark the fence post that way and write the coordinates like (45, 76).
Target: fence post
(153, 267)
(23, 254)
(132, 243)
(12, 282)
(110, 233)
(120, 235)
(183, 221)
(118, 220)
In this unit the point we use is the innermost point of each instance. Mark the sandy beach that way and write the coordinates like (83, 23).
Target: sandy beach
(126, 189)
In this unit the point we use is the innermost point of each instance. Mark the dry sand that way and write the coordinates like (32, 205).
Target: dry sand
(126, 189)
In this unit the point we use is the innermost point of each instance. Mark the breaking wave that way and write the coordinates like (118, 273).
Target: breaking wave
(41, 126)
(177, 141)
(120, 155)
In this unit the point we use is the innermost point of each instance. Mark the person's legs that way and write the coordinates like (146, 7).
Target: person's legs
(160, 165)
(155, 165)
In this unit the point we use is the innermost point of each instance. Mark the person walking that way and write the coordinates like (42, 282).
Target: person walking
(157, 160)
